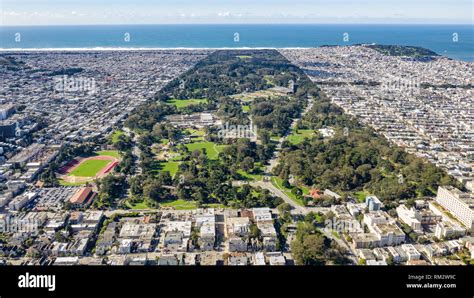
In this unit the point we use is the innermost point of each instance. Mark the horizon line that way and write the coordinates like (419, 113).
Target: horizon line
(243, 24)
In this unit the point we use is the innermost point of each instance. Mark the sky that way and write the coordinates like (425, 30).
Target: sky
(89, 12)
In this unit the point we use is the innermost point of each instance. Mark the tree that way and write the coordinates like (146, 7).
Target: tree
(152, 189)
(284, 207)
(264, 136)
(247, 164)
(112, 186)
(309, 251)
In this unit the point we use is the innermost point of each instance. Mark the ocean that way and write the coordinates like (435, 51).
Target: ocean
(454, 41)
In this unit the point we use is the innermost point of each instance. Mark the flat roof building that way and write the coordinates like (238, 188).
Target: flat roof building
(459, 204)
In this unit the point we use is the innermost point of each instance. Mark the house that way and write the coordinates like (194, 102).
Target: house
(207, 232)
(125, 246)
(373, 203)
(411, 251)
(190, 259)
(364, 240)
(237, 261)
(375, 263)
(277, 260)
(315, 193)
(175, 241)
(168, 261)
(259, 259)
(237, 226)
(208, 258)
(66, 261)
(262, 214)
(269, 235)
(236, 244)
(107, 239)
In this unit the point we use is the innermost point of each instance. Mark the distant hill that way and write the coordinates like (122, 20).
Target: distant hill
(406, 51)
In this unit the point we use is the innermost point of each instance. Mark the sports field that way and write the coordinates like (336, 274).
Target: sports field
(89, 168)
(85, 169)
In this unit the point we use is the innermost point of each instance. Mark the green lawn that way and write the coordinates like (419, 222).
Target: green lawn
(305, 189)
(116, 135)
(188, 205)
(196, 134)
(170, 166)
(246, 108)
(298, 137)
(65, 183)
(137, 206)
(244, 57)
(360, 196)
(89, 168)
(278, 183)
(180, 204)
(212, 150)
(247, 176)
(182, 103)
(113, 153)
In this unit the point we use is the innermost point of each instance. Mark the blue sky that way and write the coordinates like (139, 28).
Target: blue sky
(68, 12)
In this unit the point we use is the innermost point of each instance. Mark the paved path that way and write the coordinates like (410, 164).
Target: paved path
(274, 161)
(297, 209)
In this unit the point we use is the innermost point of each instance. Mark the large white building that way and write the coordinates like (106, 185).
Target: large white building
(384, 228)
(460, 204)
(408, 216)
(447, 230)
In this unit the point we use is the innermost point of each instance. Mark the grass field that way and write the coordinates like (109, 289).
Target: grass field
(251, 177)
(137, 206)
(212, 150)
(360, 195)
(65, 183)
(187, 205)
(170, 166)
(278, 183)
(256, 176)
(182, 103)
(116, 135)
(180, 204)
(89, 168)
(246, 108)
(196, 134)
(297, 137)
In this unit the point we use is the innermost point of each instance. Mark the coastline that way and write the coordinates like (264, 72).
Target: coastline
(145, 49)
